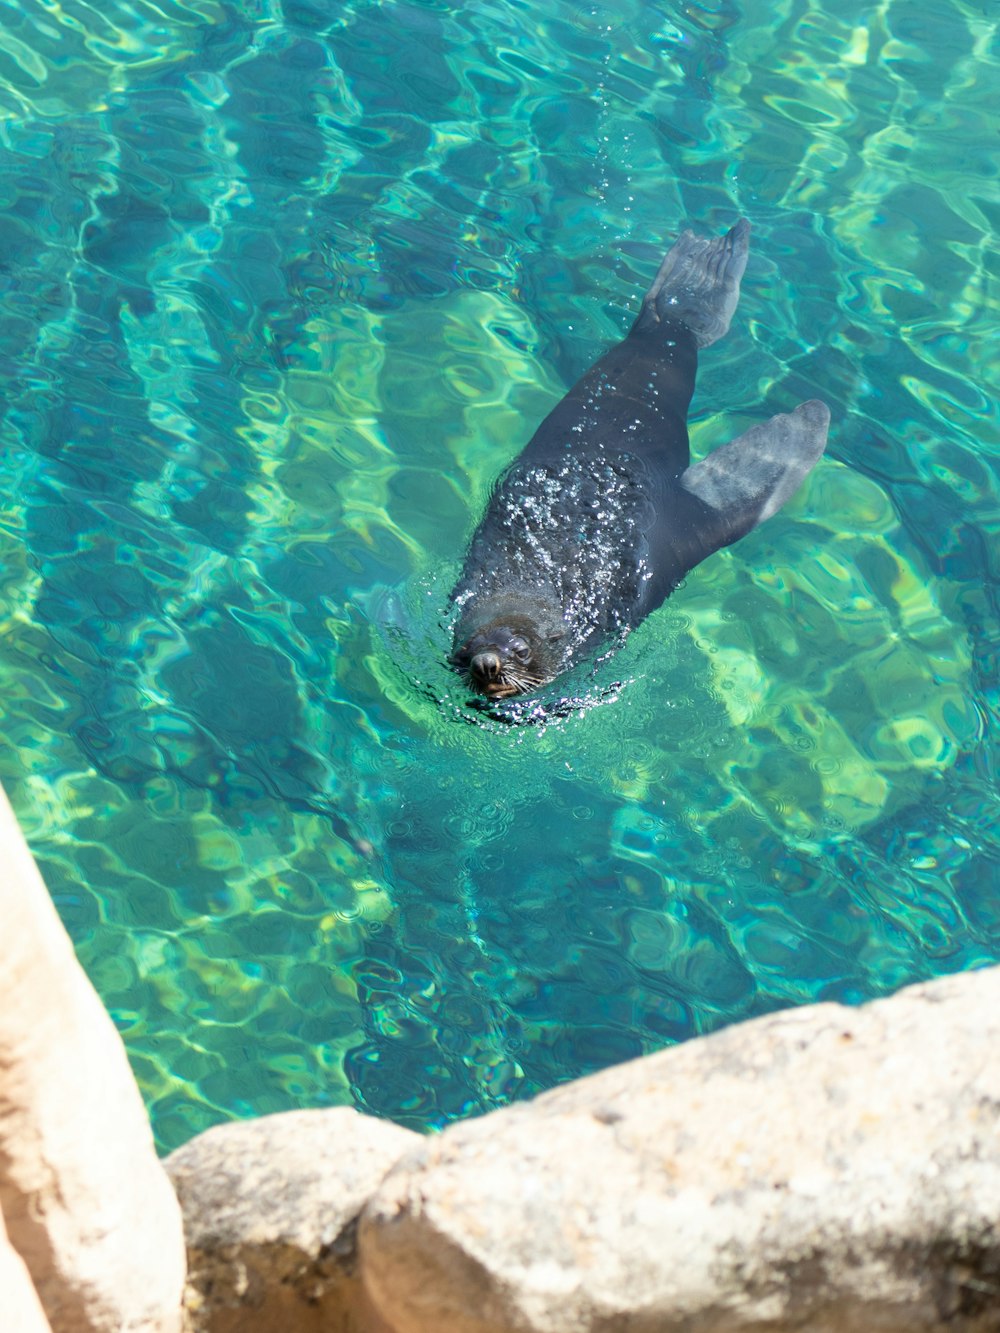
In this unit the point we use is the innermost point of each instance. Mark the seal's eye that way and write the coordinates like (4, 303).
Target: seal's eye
(520, 649)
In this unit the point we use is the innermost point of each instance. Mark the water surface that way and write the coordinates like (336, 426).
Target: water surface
(284, 286)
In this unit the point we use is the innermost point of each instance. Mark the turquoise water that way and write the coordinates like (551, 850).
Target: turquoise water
(283, 287)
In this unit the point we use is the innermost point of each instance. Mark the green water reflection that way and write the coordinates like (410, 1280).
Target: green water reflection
(282, 292)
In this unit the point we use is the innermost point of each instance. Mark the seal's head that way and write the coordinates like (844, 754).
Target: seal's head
(506, 657)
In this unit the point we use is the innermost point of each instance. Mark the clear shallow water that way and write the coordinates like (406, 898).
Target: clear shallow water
(281, 293)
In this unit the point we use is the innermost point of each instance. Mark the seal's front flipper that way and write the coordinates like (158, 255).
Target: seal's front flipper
(747, 481)
(698, 284)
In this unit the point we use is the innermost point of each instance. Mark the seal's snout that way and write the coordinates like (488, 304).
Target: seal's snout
(487, 672)
(500, 660)
(486, 666)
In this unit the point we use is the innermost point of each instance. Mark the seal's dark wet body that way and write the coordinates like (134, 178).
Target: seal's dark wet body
(601, 515)
(578, 511)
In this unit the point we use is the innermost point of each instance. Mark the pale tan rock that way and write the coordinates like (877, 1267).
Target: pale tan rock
(20, 1309)
(86, 1203)
(825, 1169)
(270, 1215)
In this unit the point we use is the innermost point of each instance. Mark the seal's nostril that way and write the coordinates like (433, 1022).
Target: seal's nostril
(486, 665)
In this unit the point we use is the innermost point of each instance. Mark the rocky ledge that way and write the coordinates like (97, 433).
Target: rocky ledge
(823, 1169)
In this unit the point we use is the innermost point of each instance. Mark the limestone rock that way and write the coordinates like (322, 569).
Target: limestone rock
(824, 1169)
(270, 1215)
(19, 1304)
(85, 1200)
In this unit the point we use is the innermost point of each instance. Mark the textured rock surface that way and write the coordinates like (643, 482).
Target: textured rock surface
(86, 1203)
(270, 1215)
(824, 1169)
(20, 1309)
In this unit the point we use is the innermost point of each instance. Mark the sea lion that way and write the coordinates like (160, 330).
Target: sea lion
(603, 514)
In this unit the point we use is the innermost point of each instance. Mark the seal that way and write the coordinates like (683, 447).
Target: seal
(603, 514)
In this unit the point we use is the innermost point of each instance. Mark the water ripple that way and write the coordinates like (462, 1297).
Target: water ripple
(283, 290)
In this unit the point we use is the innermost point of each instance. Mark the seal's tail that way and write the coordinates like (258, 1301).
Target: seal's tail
(699, 283)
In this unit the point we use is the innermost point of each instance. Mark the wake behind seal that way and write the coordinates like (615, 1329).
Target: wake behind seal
(603, 514)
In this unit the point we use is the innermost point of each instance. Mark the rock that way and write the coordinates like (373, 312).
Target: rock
(21, 1308)
(824, 1169)
(270, 1215)
(85, 1201)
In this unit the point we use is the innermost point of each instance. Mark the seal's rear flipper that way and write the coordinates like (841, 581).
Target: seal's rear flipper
(698, 284)
(747, 481)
